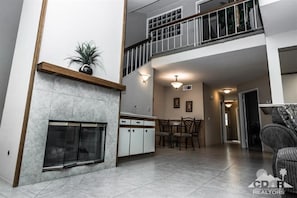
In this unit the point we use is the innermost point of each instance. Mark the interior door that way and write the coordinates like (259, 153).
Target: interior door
(252, 120)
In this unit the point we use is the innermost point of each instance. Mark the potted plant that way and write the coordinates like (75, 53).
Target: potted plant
(87, 56)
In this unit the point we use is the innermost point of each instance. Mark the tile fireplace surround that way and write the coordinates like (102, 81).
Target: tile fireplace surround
(59, 98)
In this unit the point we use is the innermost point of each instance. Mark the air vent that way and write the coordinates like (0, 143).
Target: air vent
(187, 87)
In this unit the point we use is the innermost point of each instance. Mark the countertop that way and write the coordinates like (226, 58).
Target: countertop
(137, 115)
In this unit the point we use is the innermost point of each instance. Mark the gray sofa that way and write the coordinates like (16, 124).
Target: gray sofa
(281, 136)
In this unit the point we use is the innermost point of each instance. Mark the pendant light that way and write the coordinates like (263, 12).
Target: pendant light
(176, 84)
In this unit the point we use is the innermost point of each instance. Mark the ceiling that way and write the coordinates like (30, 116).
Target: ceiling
(219, 71)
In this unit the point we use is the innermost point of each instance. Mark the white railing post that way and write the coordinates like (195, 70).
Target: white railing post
(194, 32)
(244, 16)
(235, 18)
(151, 45)
(209, 27)
(255, 14)
(218, 26)
(132, 59)
(226, 22)
(128, 59)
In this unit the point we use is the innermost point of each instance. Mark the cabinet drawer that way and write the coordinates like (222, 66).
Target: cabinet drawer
(149, 123)
(125, 122)
(137, 122)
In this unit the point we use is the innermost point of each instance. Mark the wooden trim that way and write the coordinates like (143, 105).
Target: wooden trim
(123, 40)
(121, 71)
(67, 73)
(29, 94)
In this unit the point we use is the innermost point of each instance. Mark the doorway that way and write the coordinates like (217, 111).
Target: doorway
(230, 121)
(251, 120)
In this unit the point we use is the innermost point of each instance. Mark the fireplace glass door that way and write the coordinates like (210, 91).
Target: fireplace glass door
(90, 141)
(72, 143)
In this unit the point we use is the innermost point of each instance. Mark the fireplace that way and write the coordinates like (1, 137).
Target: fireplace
(72, 144)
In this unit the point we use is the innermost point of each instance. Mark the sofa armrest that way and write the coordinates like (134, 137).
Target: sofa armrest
(278, 136)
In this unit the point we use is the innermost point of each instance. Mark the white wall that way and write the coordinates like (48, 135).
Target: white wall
(273, 44)
(69, 22)
(289, 84)
(195, 95)
(212, 114)
(135, 28)
(13, 113)
(159, 101)
(138, 97)
(9, 23)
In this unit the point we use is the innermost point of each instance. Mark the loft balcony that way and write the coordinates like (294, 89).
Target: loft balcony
(231, 21)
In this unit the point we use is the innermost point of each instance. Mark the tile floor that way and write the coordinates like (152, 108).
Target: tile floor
(220, 171)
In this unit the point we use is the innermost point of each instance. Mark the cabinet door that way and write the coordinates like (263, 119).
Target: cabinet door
(136, 141)
(149, 140)
(124, 142)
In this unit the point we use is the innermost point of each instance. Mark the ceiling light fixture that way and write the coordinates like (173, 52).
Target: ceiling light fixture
(227, 90)
(228, 105)
(176, 84)
(145, 77)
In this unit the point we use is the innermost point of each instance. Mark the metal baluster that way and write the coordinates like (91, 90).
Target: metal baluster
(156, 41)
(136, 56)
(244, 16)
(218, 26)
(209, 27)
(143, 53)
(198, 31)
(168, 38)
(226, 22)
(255, 14)
(180, 35)
(139, 55)
(174, 29)
(147, 51)
(201, 28)
(162, 42)
(151, 45)
(187, 33)
(132, 60)
(235, 18)
(194, 32)
(127, 62)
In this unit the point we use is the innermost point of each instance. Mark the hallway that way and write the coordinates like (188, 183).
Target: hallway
(219, 171)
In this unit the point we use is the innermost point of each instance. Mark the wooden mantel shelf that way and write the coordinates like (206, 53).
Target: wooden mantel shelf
(61, 71)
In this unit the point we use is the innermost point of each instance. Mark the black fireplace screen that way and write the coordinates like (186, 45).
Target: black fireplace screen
(72, 143)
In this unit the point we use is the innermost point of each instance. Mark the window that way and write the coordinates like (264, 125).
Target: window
(163, 19)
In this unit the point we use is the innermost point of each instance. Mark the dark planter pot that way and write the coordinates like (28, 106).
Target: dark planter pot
(86, 69)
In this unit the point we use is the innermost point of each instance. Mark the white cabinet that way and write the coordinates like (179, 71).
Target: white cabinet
(136, 141)
(124, 142)
(148, 140)
(136, 136)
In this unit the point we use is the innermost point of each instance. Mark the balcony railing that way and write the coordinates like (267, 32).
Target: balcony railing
(230, 20)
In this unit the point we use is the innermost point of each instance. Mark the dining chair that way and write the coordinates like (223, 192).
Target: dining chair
(185, 131)
(164, 130)
(196, 130)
